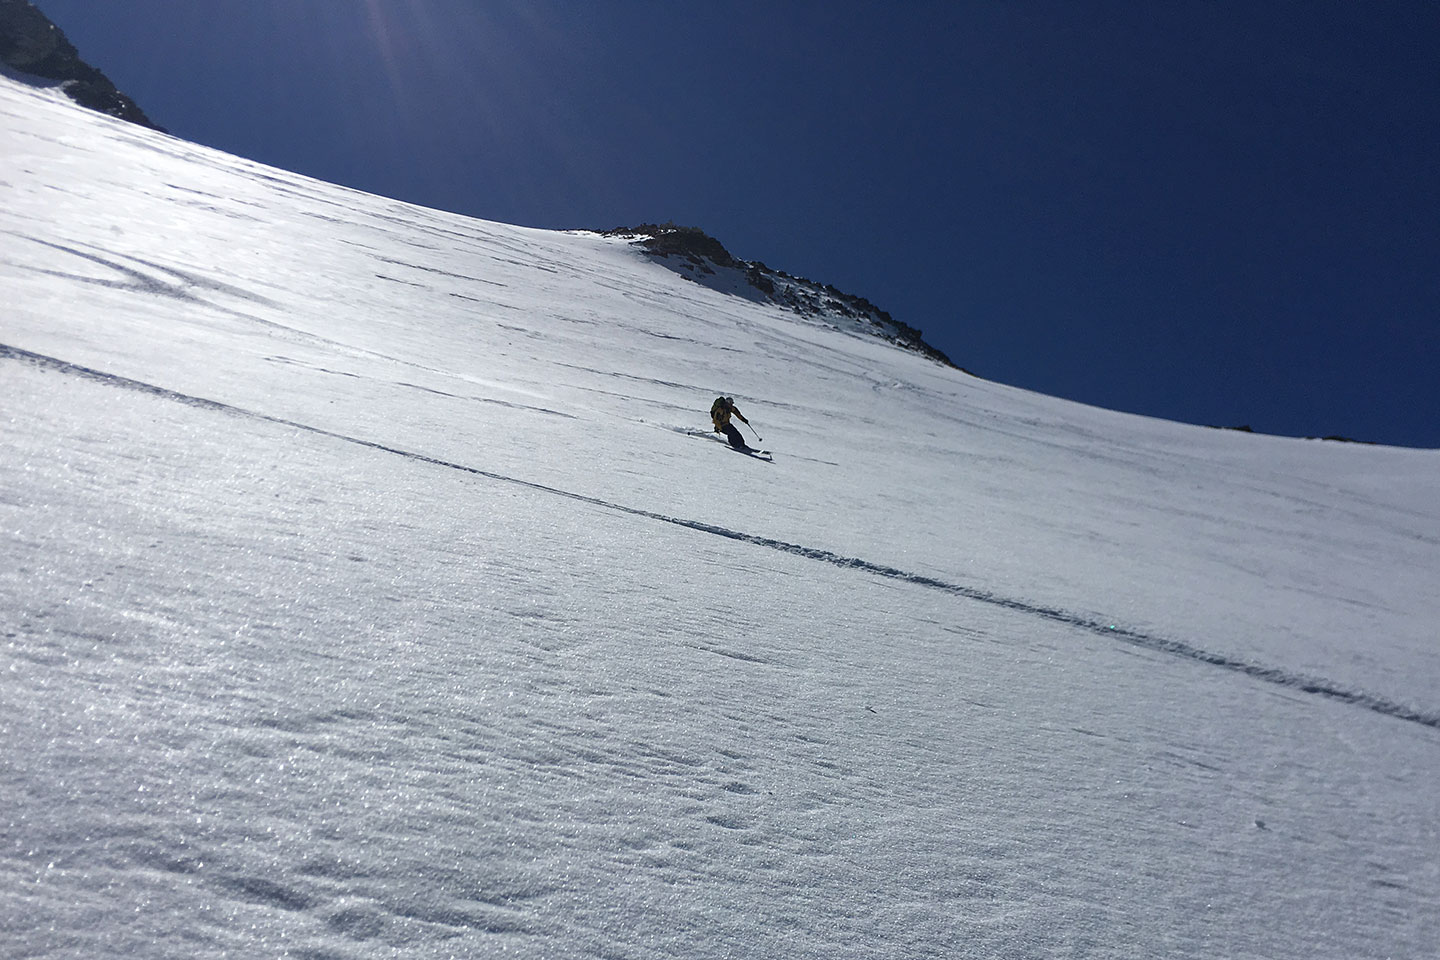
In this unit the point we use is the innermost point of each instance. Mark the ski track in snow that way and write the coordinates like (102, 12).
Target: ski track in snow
(1268, 674)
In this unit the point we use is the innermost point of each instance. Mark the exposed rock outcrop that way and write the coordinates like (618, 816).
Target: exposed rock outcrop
(31, 44)
(695, 254)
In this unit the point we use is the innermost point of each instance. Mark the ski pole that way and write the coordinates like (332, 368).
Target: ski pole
(754, 431)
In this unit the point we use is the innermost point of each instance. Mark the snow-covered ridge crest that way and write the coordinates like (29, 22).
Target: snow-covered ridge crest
(694, 254)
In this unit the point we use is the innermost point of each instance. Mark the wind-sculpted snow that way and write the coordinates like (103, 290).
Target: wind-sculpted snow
(1268, 674)
(371, 585)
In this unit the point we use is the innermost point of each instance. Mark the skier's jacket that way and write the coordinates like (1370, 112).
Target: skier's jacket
(720, 412)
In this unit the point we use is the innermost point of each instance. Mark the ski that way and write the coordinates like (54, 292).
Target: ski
(755, 452)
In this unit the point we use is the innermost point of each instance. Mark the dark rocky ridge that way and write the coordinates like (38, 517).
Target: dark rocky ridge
(31, 44)
(700, 257)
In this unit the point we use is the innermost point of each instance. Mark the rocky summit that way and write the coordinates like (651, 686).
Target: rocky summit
(31, 44)
(696, 255)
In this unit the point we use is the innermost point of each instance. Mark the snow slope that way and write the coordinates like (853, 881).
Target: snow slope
(371, 588)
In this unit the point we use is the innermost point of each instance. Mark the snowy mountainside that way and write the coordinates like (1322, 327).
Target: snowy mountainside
(373, 587)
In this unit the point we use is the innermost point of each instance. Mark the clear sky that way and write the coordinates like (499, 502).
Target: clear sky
(1211, 211)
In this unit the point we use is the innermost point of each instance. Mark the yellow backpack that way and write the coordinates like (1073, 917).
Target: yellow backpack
(720, 412)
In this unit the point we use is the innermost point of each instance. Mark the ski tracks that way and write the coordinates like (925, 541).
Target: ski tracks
(1278, 676)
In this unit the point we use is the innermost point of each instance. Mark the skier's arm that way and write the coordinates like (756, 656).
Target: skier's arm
(736, 411)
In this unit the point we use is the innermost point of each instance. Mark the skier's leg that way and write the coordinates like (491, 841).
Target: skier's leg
(737, 439)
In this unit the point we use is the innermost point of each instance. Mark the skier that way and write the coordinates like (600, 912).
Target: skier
(720, 413)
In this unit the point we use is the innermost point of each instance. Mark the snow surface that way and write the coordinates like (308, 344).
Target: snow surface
(371, 588)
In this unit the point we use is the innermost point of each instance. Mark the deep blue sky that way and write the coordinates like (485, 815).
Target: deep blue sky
(1211, 211)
